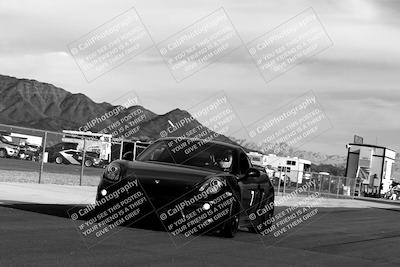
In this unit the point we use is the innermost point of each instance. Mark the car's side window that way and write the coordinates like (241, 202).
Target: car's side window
(162, 154)
(244, 163)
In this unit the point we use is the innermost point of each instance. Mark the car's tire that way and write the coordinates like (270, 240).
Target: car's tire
(58, 160)
(3, 153)
(88, 163)
(231, 226)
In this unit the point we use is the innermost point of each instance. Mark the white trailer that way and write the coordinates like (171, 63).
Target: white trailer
(292, 167)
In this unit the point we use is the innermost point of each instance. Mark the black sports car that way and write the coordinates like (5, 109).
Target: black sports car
(192, 181)
(53, 151)
(72, 156)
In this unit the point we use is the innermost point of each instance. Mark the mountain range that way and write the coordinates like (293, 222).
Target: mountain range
(33, 104)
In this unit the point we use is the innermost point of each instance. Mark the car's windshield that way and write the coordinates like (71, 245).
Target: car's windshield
(191, 153)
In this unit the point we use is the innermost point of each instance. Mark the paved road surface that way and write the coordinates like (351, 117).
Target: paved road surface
(41, 235)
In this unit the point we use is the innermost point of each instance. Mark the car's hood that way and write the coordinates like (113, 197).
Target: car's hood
(165, 181)
(167, 172)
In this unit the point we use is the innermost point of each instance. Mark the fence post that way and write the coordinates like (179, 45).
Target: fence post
(279, 182)
(320, 183)
(337, 191)
(284, 183)
(315, 184)
(43, 151)
(83, 161)
(329, 186)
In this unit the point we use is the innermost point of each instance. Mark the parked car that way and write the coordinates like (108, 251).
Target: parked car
(167, 176)
(7, 148)
(29, 152)
(72, 156)
(53, 151)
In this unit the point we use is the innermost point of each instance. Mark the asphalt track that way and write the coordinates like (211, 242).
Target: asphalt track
(42, 235)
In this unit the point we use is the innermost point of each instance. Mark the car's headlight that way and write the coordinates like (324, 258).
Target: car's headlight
(112, 172)
(212, 185)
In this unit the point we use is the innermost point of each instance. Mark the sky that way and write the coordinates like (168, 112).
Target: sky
(356, 80)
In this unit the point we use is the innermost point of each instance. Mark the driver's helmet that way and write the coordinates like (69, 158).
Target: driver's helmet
(225, 162)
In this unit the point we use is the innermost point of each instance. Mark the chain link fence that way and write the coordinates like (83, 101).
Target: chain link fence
(327, 185)
(35, 156)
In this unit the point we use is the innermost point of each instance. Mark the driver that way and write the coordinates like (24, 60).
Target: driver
(225, 162)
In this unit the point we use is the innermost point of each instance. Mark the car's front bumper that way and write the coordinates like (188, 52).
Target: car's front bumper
(169, 204)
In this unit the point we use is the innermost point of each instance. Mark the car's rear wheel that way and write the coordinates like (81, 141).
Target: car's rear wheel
(59, 160)
(3, 153)
(231, 226)
(88, 163)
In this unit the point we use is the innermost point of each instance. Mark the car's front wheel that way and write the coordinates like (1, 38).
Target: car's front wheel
(231, 226)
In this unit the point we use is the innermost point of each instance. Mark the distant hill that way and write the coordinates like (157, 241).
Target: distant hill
(30, 103)
(38, 105)
(331, 169)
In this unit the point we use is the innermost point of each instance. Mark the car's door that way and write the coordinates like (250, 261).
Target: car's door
(53, 151)
(71, 156)
(249, 186)
(78, 155)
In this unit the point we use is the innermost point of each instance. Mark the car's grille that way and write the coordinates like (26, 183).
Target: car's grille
(164, 193)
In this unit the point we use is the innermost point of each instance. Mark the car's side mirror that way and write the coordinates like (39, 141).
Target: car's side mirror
(251, 172)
